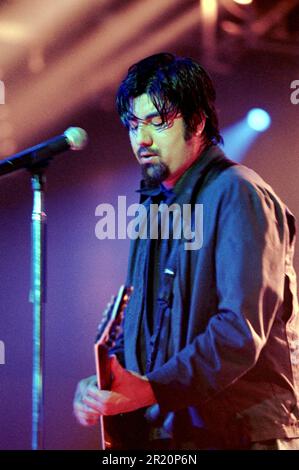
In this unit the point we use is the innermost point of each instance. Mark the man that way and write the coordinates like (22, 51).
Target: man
(210, 348)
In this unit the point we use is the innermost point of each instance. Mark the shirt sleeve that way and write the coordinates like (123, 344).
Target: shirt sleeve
(249, 273)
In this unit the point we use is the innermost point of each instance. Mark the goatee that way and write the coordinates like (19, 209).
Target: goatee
(154, 174)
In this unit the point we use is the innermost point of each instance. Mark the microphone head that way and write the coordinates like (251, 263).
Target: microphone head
(77, 138)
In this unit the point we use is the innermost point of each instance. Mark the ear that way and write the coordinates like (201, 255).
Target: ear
(201, 124)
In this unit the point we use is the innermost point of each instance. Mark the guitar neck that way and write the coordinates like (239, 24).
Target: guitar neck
(103, 372)
(107, 333)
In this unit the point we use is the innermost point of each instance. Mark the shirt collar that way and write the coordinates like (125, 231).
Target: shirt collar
(157, 192)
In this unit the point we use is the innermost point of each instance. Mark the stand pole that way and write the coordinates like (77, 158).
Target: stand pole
(38, 298)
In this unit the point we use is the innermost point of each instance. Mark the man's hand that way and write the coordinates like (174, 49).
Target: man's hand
(85, 415)
(129, 391)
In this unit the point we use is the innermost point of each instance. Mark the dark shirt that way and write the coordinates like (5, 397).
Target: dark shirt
(157, 249)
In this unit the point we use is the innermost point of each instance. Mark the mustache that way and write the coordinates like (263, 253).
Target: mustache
(145, 151)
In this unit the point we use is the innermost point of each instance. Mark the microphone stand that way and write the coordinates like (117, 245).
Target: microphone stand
(38, 299)
(36, 159)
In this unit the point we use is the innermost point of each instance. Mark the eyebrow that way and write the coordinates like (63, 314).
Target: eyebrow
(151, 115)
(148, 116)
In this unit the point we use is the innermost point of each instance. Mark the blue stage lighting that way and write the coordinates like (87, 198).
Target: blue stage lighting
(258, 119)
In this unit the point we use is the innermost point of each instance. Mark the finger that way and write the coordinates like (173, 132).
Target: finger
(88, 413)
(94, 392)
(86, 416)
(102, 403)
(93, 404)
(88, 409)
(98, 395)
(83, 387)
(80, 392)
(87, 421)
(83, 408)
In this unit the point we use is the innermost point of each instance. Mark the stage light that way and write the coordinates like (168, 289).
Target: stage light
(209, 10)
(240, 136)
(258, 119)
(243, 2)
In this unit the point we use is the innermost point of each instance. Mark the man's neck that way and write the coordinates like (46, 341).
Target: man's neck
(172, 179)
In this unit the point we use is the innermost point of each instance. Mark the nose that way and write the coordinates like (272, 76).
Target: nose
(143, 136)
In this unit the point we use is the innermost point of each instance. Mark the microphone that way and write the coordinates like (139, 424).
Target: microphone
(74, 138)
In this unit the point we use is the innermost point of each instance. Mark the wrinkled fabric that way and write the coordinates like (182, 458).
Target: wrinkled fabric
(233, 373)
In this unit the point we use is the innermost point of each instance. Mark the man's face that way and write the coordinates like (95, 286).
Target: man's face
(160, 148)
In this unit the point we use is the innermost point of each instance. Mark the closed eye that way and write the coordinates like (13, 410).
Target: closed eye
(154, 121)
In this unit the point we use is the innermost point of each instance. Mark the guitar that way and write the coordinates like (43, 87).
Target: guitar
(108, 331)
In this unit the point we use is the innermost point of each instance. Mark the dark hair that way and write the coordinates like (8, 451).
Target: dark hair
(175, 85)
